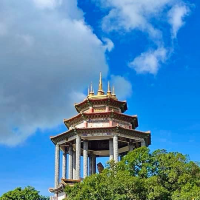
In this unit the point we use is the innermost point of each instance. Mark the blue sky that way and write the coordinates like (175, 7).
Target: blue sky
(51, 50)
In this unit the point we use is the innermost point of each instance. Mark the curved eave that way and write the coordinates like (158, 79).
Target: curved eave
(91, 102)
(145, 135)
(132, 119)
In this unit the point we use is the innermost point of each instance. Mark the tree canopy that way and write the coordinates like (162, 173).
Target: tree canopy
(28, 193)
(142, 175)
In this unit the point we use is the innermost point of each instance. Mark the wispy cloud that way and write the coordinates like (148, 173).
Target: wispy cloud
(145, 15)
(176, 17)
(109, 45)
(150, 61)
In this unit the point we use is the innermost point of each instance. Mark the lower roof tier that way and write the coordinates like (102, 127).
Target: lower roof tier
(101, 133)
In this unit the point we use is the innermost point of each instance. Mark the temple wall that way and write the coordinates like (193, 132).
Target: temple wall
(114, 109)
(102, 108)
(93, 124)
(103, 123)
(98, 124)
(81, 125)
(122, 124)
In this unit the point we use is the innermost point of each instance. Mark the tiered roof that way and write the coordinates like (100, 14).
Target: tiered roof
(135, 133)
(106, 107)
(110, 114)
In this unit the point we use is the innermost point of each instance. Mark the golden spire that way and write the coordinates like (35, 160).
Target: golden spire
(100, 82)
(91, 91)
(91, 87)
(109, 91)
(113, 92)
(88, 90)
(100, 90)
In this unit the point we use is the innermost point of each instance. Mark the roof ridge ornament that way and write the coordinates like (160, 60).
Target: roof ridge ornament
(100, 90)
(100, 93)
(113, 92)
(109, 93)
(91, 90)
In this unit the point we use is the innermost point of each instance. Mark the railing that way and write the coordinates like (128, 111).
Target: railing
(53, 198)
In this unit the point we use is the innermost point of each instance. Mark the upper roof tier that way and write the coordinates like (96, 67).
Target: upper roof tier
(101, 98)
(87, 103)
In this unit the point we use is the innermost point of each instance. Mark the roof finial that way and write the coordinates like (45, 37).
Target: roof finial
(109, 86)
(113, 92)
(100, 82)
(91, 91)
(91, 87)
(100, 90)
(88, 90)
(109, 91)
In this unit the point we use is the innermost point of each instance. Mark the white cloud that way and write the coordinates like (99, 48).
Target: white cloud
(176, 16)
(123, 87)
(128, 15)
(45, 58)
(47, 3)
(146, 16)
(109, 44)
(149, 62)
(137, 14)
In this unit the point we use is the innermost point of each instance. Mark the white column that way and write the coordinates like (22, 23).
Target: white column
(78, 156)
(64, 164)
(131, 146)
(143, 144)
(90, 165)
(115, 148)
(57, 165)
(111, 149)
(74, 164)
(85, 159)
(70, 170)
(93, 164)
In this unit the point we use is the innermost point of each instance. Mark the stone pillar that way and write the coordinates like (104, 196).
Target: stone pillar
(57, 165)
(70, 169)
(111, 149)
(130, 146)
(93, 164)
(85, 159)
(143, 144)
(74, 164)
(115, 148)
(64, 159)
(78, 156)
(90, 164)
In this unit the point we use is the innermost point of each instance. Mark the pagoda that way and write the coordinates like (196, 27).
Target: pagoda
(100, 129)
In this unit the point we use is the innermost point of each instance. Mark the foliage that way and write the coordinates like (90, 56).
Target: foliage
(28, 193)
(142, 175)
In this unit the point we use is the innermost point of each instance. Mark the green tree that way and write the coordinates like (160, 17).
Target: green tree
(28, 193)
(142, 175)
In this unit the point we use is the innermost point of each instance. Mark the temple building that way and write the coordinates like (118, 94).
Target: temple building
(100, 129)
